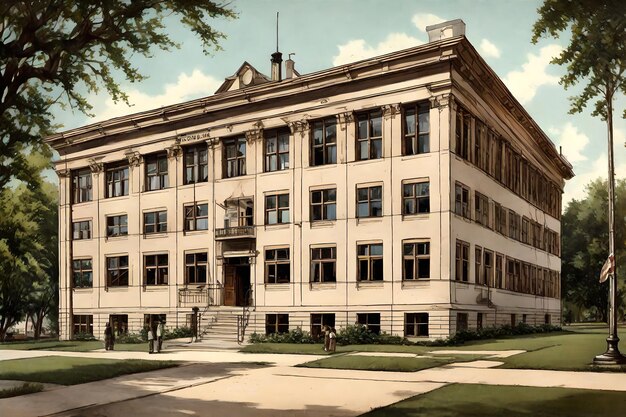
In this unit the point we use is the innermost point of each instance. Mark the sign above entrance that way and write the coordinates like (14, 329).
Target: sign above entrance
(194, 137)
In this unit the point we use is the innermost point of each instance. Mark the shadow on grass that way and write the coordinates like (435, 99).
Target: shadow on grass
(496, 401)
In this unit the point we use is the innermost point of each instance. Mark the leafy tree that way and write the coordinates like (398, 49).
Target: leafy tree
(56, 51)
(585, 246)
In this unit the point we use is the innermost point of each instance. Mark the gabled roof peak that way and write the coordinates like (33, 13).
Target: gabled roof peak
(245, 76)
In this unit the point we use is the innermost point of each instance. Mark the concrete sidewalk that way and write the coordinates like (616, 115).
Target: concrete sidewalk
(221, 383)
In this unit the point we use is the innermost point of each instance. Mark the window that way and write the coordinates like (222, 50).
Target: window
(156, 172)
(415, 198)
(416, 260)
(369, 136)
(416, 128)
(525, 225)
(510, 274)
(276, 150)
(155, 269)
(81, 186)
(117, 271)
(277, 208)
(487, 278)
(462, 200)
(83, 324)
(196, 217)
(370, 262)
(119, 323)
(196, 267)
(82, 270)
(276, 323)
(234, 157)
(155, 222)
(369, 201)
(318, 321)
(524, 318)
(117, 225)
(239, 212)
(479, 320)
(547, 319)
(323, 264)
(324, 142)
(277, 268)
(81, 230)
(478, 259)
(462, 134)
(369, 320)
(462, 261)
(499, 273)
(196, 164)
(117, 181)
(514, 225)
(481, 206)
(324, 204)
(415, 324)
(461, 322)
(513, 320)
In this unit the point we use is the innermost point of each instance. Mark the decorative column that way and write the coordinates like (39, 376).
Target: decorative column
(66, 308)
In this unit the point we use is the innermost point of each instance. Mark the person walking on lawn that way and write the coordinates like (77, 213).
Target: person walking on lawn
(326, 331)
(159, 336)
(150, 340)
(109, 337)
(332, 344)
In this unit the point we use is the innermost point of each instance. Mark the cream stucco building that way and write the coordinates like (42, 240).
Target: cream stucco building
(410, 192)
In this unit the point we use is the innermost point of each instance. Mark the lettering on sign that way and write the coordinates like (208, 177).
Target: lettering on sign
(193, 137)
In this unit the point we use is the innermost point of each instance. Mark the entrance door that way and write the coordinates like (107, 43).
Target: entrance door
(236, 282)
(230, 284)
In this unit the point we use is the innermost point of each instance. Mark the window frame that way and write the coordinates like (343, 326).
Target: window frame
(121, 226)
(324, 203)
(481, 209)
(414, 197)
(416, 258)
(161, 176)
(279, 323)
(124, 272)
(234, 166)
(82, 186)
(77, 231)
(370, 320)
(369, 202)
(81, 272)
(416, 322)
(196, 264)
(328, 149)
(462, 261)
(281, 158)
(369, 140)
(82, 324)
(198, 170)
(462, 200)
(370, 261)
(418, 108)
(157, 224)
(280, 210)
(158, 268)
(325, 319)
(322, 261)
(111, 181)
(193, 217)
(274, 263)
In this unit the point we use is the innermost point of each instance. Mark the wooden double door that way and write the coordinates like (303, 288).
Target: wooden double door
(237, 288)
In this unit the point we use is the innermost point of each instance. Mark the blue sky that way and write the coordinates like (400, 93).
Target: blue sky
(325, 33)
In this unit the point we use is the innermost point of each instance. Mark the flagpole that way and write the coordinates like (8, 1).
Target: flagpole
(612, 356)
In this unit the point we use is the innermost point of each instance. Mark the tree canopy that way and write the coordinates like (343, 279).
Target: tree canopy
(596, 53)
(56, 51)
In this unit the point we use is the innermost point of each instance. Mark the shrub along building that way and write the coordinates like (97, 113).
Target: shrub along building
(409, 192)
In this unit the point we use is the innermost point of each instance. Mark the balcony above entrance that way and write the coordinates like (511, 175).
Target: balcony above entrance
(235, 232)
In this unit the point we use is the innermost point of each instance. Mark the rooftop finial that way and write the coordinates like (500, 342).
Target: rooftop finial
(277, 31)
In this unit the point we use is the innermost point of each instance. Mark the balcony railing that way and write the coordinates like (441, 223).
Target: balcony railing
(234, 232)
(208, 295)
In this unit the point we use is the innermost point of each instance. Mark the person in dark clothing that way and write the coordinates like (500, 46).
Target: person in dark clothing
(109, 337)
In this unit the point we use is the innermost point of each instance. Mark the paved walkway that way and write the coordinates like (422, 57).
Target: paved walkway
(227, 383)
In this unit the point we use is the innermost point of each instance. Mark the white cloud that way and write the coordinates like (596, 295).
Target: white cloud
(488, 49)
(421, 20)
(187, 87)
(572, 141)
(524, 84)
(358, 49)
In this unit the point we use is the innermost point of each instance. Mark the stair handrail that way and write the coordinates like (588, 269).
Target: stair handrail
(244, 318)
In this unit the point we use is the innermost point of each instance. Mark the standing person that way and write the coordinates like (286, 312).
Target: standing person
(108, 337)
(150, 340)
(326, 331)
(333, 340)
(159, 335)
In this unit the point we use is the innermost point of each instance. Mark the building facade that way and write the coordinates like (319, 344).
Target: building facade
(409, 192)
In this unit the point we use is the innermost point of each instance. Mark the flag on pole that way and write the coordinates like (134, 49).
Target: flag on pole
(607, 268)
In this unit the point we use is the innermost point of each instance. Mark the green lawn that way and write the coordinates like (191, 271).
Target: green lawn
(572, 349)
(71, 371)
(496, 401)
(71, 345)
(381, 363)
(25, 388)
